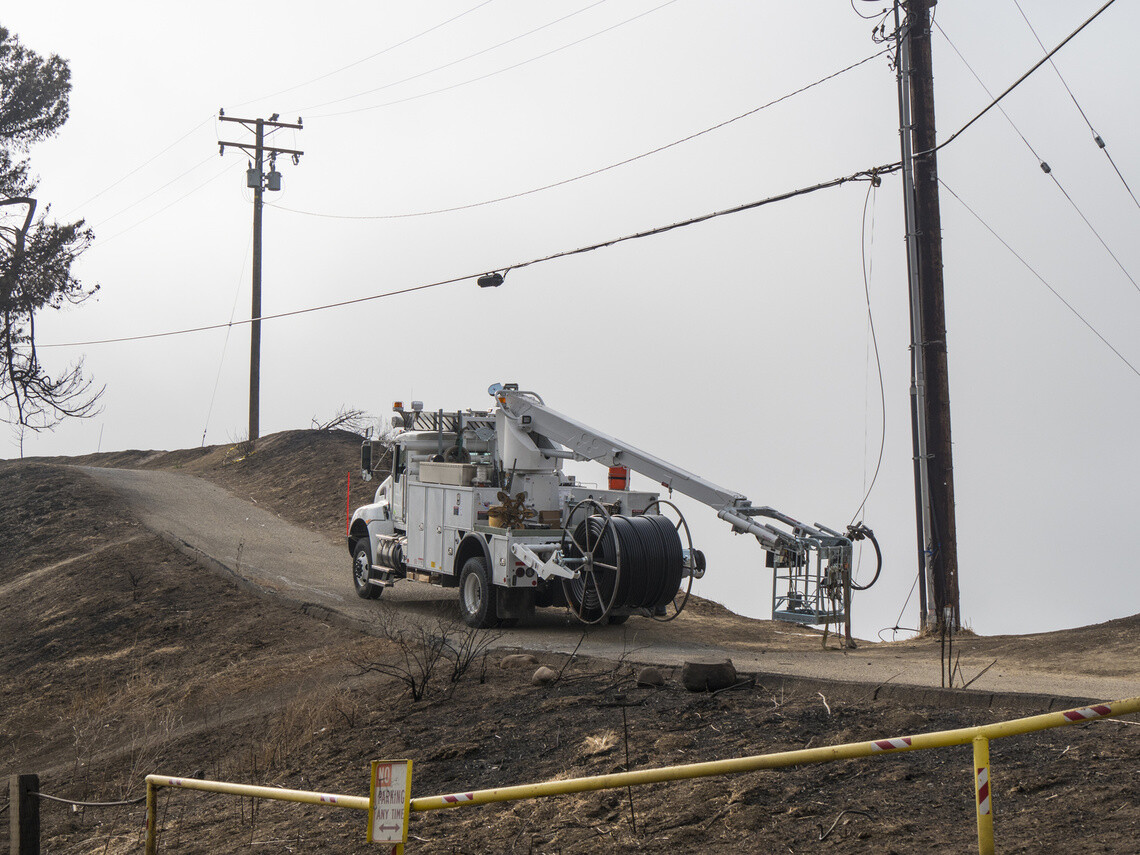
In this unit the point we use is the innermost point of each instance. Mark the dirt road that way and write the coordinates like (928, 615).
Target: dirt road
(257, 546)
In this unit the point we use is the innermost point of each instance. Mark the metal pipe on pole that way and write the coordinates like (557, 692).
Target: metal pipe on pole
(917, 346)
(940, 464)
(255, 307)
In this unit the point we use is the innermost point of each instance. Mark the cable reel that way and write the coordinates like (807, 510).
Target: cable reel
(627, 563)
(694, 562)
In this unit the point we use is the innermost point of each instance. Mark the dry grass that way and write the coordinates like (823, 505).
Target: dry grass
(599, 743)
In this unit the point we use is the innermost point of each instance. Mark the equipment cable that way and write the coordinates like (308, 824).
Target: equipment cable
(1040, 278)
(594, 172)
(863, 175)
(875, 341)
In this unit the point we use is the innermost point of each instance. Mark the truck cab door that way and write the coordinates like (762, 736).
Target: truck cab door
(399, 485)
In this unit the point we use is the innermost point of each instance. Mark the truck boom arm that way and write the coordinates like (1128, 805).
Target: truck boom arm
(532, 414)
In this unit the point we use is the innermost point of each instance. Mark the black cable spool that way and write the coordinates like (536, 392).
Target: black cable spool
(651, 564)
(653, 551)
(591, 594)
(674, 561)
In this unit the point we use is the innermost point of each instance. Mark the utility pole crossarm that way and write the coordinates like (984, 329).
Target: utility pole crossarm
(269, 123)
(268, 149)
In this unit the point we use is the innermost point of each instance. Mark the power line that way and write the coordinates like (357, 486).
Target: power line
(193, 168)
(866, 174)
(1044, 166)
(1096, 137)
(1017, 82)
(1040, 278)
(103, 241)
(593, 172)
(500, 71)
(453, 62)
(367, 58)
(140, 166)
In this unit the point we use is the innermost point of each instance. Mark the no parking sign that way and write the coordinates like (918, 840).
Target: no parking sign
(389, 799)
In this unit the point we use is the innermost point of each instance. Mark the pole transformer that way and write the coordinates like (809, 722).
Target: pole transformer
(930, 386)
(259, 182)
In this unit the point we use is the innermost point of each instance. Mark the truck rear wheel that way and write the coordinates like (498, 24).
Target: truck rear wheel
(476, 599)
(362, 570)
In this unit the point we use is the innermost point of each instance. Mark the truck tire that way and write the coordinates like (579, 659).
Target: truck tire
(362, 569)
(476, 597)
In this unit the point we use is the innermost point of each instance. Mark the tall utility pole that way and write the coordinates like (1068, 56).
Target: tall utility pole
(930, 388)
(259, 181)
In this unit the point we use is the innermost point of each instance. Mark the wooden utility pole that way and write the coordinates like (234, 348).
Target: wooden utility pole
(934, 469)
(259, 182)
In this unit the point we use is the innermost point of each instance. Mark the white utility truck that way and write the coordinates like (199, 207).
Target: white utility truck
(478, 500)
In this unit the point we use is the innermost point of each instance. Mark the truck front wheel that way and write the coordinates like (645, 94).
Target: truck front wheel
(362, 570)
(476, 602)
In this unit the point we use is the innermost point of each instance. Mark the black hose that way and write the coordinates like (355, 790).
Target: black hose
(858, 532)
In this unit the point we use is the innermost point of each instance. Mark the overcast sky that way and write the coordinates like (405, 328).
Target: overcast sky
(738, 348)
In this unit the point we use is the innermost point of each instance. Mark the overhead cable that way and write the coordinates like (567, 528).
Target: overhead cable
(1040, 278)
(593, 172)
(866, 174)
(1048, 170)
(140, 166)
(312, 107)
(489, 74)
(176, 178)
(1097, 138)
(355, 63)
(228, 168)
(1016, 83)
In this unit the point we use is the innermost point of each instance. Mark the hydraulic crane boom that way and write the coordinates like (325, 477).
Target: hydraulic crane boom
(528, 411)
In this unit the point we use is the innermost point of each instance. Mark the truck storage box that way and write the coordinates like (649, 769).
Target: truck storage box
(451, 474)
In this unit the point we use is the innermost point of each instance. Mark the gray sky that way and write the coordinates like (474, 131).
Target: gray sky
(738, 348)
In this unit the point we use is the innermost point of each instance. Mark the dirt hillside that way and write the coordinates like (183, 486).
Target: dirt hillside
(120, 657)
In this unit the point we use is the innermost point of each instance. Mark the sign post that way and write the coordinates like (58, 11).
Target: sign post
(389, 799)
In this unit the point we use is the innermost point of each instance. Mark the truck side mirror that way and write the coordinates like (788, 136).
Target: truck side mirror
(366, 460)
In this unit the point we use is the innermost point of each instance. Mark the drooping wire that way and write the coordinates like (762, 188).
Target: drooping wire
(906, 603)
(454, 62)
(226, 342)
(593, 172)
(1097, 138)
(1044, 166)
(873, 15)
(862, 175)
(388, 49)
(875, 341)
(499, 71)
(1040, 278)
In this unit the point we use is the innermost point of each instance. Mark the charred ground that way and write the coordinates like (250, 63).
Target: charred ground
(121, 656)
